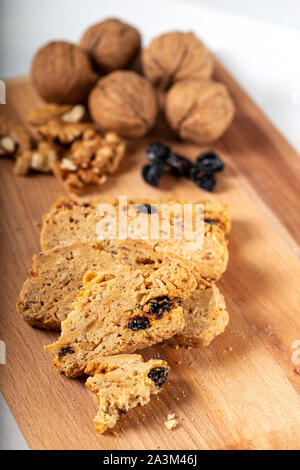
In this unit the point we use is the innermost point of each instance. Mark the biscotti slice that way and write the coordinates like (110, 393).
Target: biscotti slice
(123, 382)
(205, 317)
(121, 313)
(56, 277)
(69, 220)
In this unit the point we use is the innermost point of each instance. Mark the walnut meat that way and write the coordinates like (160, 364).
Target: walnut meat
(60, 123)
(62, 73)
(125, 103)
(199, 110)
(13, 138)
(176, 56)
(39, 159)
(111, 44)
(90, 160)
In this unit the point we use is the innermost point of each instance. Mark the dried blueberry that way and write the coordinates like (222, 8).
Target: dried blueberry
(152, 172)
(205, 181)
(157, 151)
(146, 209)
(158, 375)
(179, 165)
(66, 350)
(158, 306)
(139, 323)
(209, 162)
(210, 221)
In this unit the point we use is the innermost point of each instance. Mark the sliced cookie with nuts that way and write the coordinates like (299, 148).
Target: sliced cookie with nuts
(209, 260)
(205, 317)
(56, 277)
(123, 382)
(121, 313)
(55, 280)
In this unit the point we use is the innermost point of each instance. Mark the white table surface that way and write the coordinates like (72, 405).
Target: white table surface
(259, 46)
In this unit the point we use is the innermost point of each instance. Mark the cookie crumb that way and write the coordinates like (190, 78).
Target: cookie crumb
(172, 422)
(297, 370)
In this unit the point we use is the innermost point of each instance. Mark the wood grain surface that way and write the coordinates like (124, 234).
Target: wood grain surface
(242, 392)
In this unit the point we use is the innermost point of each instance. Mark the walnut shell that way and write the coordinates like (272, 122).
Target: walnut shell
(176, 56)
(199, 110)
(62, 73)
(111, 44)
(123, 102)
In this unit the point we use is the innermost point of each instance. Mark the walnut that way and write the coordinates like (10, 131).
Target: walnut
(62, 73)
(13, 138)
(90, 159)
(176, 56)
(111, 44)
(61, 123)
(39, 159)
(125, 103)
(199, 110)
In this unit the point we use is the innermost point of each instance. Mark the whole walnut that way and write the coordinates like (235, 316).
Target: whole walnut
(199, 110)
(123, 102)
(62, 73)
(111, 44)
(176, 56)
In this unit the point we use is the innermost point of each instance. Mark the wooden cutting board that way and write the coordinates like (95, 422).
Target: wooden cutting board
(242, 392)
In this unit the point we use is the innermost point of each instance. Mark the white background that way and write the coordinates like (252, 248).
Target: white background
(257, 40)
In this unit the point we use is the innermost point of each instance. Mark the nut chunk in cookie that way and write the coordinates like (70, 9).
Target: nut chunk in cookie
(122, 382)
(122, 312)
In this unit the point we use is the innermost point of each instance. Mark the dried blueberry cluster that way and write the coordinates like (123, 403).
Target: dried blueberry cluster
(65, 350)
(139, 323)
(202, 172)
(158, 306)
(158, 375)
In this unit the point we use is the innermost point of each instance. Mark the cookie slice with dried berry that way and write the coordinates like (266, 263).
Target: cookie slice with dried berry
(123, 382)
(121, 312)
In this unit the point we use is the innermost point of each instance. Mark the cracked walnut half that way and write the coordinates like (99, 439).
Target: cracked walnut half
(60, 123)
(90, 160)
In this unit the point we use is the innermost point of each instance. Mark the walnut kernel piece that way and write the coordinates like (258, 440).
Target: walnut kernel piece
(76, 114)
(39, 159)
(43, 157)
(7, 146)
(90, 159)
(13, 138)
(62, 123)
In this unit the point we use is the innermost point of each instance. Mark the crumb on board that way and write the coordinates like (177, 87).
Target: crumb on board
(172, 422)
(297, 370)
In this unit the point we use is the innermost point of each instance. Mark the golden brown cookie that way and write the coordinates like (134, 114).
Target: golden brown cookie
(210, 260)
(205, 317)
(122, 312)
